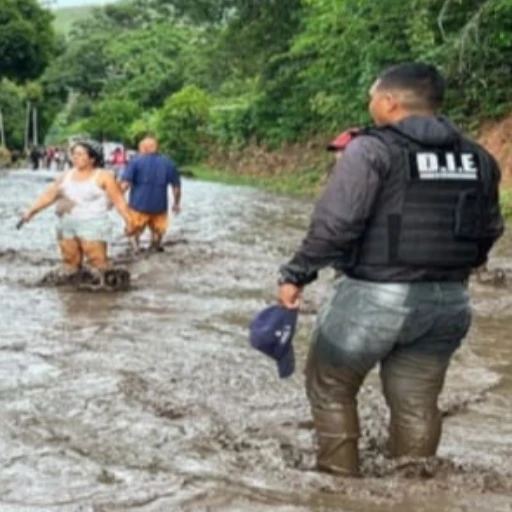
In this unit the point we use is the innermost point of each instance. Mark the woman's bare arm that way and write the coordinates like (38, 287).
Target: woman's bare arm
(47, 198)
(111, 187)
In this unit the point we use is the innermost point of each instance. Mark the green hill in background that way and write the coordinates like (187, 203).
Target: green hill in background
(66, 16)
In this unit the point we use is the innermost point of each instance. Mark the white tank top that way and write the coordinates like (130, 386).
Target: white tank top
(89, 200)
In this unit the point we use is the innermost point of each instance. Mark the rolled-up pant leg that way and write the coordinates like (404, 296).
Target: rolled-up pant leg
(412, 383)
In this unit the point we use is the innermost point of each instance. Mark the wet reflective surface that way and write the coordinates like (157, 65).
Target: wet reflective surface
(151, 399)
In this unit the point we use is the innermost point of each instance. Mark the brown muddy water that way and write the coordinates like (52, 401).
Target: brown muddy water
(151, 400)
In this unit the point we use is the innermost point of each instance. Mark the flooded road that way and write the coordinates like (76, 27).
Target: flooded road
(151, 400)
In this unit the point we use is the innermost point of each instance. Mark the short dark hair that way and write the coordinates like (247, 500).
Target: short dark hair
(424, 81)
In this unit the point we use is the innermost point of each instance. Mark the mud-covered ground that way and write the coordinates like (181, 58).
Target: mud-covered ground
(151, 399)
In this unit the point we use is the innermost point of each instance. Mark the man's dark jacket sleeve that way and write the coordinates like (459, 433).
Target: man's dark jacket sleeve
(494, 226)
(341, 213)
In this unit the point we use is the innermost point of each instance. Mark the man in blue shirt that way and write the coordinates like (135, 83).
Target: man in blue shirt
(148, 176)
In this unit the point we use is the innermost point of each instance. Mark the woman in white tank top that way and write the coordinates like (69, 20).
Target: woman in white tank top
(83, 197)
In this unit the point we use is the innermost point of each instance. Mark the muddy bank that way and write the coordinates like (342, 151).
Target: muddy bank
(151, 400)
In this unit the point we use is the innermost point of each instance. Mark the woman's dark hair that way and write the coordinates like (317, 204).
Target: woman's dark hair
(93, 149)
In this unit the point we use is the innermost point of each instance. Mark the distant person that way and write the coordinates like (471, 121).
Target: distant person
(118, 161)
(34, 156)
(148, 177)
(49, 157)
(58, 159)
(15, 157)
(83, 197)
(118, 156)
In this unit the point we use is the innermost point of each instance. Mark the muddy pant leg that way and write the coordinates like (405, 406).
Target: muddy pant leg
(332, 393)
(71, 253)
(412, 383)
(95, 254)
(357, 328)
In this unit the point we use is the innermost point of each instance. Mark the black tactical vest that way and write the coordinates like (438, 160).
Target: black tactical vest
(431, 210)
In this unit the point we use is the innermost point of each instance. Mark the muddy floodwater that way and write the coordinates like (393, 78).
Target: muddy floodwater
(151, 400)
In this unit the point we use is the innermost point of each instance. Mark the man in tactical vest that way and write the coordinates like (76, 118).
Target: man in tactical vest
(408, 212)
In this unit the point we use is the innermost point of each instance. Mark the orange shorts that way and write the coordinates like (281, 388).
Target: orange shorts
(157, 222)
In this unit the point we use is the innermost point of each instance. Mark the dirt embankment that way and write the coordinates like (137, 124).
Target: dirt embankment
(302, 157)
(255, 160)
(497, 138)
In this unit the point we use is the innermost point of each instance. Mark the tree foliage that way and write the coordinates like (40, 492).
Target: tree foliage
(229, 72)
(182, 122)
(27, 39)
(12, 101)
(111, 118)
(27, 44)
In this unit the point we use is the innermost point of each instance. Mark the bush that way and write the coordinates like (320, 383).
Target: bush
(112, 118)
(506, 203)
(5, 157)
(182, 125)
(141, 127)
(232, 125)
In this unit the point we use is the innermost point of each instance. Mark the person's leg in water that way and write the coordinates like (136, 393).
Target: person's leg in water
(156, 242)
(92, 236)
(353, 333)
(139, 221)
(71, 253)
(95, 253)
(135, 243)
(413, 376)
(158, 224)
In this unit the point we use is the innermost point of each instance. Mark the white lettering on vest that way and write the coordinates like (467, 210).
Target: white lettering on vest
(468, 162)
(427, 162)
(446, 166)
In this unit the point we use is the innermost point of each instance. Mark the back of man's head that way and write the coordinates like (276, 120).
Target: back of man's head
(148, 145)
(416, 85)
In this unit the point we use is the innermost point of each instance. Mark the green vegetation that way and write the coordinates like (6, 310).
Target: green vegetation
(506, 203)
(305, 183)
(214, 79)
(272, 72)
(27, 44)
(27, 40)
(66, 17)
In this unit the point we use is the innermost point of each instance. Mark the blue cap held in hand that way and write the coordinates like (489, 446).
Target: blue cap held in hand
(271, 332)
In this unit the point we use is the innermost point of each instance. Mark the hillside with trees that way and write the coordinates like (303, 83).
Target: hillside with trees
(231, 77)
(27, 44)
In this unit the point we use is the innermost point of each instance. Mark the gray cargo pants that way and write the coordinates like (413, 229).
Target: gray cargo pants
(412, 330)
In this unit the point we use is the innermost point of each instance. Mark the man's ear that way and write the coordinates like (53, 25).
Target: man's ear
(391, 102)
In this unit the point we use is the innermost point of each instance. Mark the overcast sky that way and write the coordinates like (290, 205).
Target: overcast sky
(73, 3)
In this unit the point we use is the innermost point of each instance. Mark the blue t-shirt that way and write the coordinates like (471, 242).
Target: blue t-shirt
(149, 176)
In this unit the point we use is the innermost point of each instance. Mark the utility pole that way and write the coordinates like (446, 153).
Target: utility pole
(34, 126)
(27, 126)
